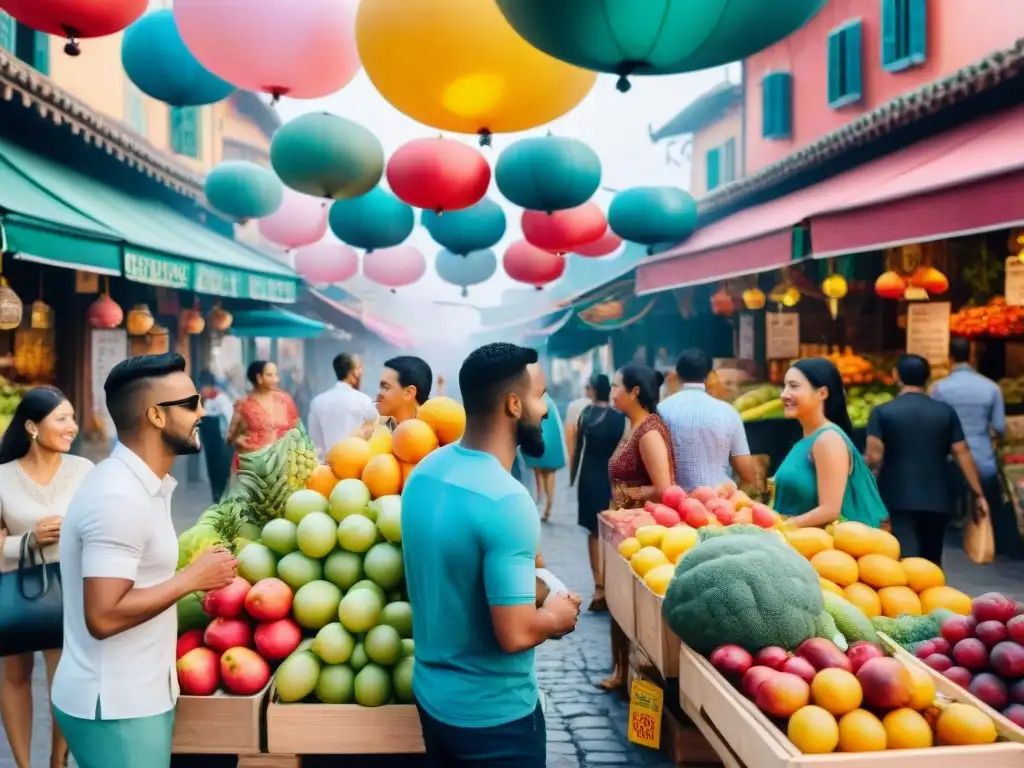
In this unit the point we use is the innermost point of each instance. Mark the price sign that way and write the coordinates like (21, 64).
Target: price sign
(745, 350)
(928, 332)
(782, 335)
(1013, 289)
(645, 705)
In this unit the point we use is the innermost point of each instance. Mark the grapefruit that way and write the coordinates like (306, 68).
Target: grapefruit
(383, 645)
(297, 676)
(401, 679)
(343, 568)
(398, 615)
(358, 659)
(296, 570)
(335, 685)
(349, 497)
(280, 536)
(317, 534)
(333, 643)
(348, 457)
(389, 517)
(413, 440)
(356, 533)
(359, 611)
(301, 503)
(375, 588)
(322, 481)
(446, 417)
(256, 562)
(316, 604)
(383, 564)
(372, 686)
(383, 475)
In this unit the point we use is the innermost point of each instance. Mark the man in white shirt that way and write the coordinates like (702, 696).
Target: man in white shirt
(115, 687)
(343, 410)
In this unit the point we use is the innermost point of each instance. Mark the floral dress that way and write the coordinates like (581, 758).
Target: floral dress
(262, 426)
(626, 467)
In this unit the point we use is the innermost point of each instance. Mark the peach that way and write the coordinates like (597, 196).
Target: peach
(198, 672)
(887, 684)
(783, 694)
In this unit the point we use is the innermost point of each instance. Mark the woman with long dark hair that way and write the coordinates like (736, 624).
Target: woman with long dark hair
(823, 478)
(37, 481)
(265, 415)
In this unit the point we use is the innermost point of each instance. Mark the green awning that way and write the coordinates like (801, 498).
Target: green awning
(275, 323)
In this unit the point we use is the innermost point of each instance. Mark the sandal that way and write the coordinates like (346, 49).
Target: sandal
(598, 603)
(614, 683)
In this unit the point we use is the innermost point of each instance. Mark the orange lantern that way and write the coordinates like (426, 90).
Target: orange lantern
(192, 322)
(890, 285)
(754, 298)
(722, 303)
(219, 319)
(932, 280)
(104, 313)
(139, 321)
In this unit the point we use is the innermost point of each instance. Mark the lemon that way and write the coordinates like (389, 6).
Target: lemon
(628, 547)
(678, 540)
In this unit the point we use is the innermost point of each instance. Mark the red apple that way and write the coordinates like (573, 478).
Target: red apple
(269, 600)
(991, 632)
(198, 672)
(862, 651)
(243, 671)
(941, 645)
(1015, 628)
(971, 653)
(1017, 692)
(664, 515)
(772, 656)
(275, 640)
(693, 513)
(227, 603)
(753, 679)
(959, 675)
(801, 667)
(957, 628)
(673, 496)
(993, 606)
(724, 515)
(938, 662)
(1015, 714)
(924, 649)
(222, 634)
(763, 516)
(1007, 660)
(188, 640)
(990, 689)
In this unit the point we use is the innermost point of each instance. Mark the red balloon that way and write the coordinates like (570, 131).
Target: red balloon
(605, 244)
(562, 231)
(76, 18)
(438, 175)
(529, 264)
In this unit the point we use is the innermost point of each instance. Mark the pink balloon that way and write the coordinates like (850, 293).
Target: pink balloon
(394, 267)
(303, 50)
(604, 245)
(526, 263)
(328, 261)
(301, 220)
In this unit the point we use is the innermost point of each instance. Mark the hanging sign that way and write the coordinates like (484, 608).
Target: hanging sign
(745, 342)
(928, 332)
(107, 349)
(782, 335)
(646, 701)
(1013, 290)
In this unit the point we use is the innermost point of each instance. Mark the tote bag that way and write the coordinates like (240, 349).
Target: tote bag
(31, 605)
(979, 539)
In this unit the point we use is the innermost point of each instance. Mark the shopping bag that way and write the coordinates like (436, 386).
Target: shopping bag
(979, 540)
(31, 605)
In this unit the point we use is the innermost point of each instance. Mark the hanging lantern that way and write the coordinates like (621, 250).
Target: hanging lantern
(301, 50)
(75, 19)
(139, 321)
(158, 340)
(890, 285)
(104, 313)
(561, 231)
(394, 267)
(548, 173)
(931, 280)
(377, 219)
(722, 304)
(785, 294)
(191, 322)
(243, 190)
(754, 298)
(476, 228)
(438, 175)
(1015, 243)
(456, 65)
(526, 263)
(607, 243)
(327, 156)
(156, 60)
(300, 220)
(834, 286)
(41, 317)
(11, 308)
(327, 262)
(653, 215)
(915, 293)
(219, 319)
(464, 271)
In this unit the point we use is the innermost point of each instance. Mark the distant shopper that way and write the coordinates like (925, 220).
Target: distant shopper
(572, 416)
(214, 429)
(265, 415)
(404, 386)
(909, 444)
(342, 410)
(550, 461)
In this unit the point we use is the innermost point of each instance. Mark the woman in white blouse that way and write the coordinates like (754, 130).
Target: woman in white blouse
(37, 480)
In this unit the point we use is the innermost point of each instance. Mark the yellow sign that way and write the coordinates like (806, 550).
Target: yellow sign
(645, 704)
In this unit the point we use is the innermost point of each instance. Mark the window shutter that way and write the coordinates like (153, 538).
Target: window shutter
(713, 159)
(853, 64)
(729, 161)
(41, 52)
(835, 67)
(917, 30)
(8, 32)
(785, 109)
(890, 33)
(185, 131)
(777, 93)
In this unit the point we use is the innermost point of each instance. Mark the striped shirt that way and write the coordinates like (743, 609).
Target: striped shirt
(706, 432)
(978, 403)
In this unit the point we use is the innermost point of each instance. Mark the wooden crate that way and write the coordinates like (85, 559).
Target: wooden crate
(652, 634)
(219, 724)
(618, 590)
(746, 738)
(604, 529)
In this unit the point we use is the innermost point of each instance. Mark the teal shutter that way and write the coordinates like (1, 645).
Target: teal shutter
(853, 63)
(917, 30)
(890, 34)
(713, 161)
(777, 97)
(8, 32)
(135, 108)
(835, 67)
(41, 52)
(185, 131)
(729, 161)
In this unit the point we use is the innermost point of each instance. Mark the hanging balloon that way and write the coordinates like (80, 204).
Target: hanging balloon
(243, 190)
(326, 262)
(327, 156)
(456, 65)
(302, 50)
(438, 175)
(300, 220)
(664, 38)
(378, 219)
(157, 61)
(548, 173)
(74, 19)
(394, 267)
(562, 231)
(607, 243)
(529, 264)
(472, 269)
(653, 215)
(476, 228)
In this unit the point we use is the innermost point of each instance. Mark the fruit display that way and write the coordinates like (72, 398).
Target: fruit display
(993, 319)
(10, 397)
(266, 478)
(1012, 389)
(856, 369)
(759, 403)
(869, 391)
(861, 399)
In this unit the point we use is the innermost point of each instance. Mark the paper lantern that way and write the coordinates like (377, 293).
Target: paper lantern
(243, 190)
(624, 37)
(834, 286)
(74, 19)
(326, 262)
(653, 215)
(139, 321)
(191, 322)
(931, 280)
(457, 65)
(754, 298)
(465, 271)
(607, 243)
(219, 319)
(104, 313)
(890, 285)
(303, 50)
(327, 156)
(548, 173)
(40, 316)
(526, 263)
(722, 304)
(156, 60)
(438, 175)
(394, 267)
(562, 231)
(476, 228)
(377, 219)
(11, 307)
(300, 220)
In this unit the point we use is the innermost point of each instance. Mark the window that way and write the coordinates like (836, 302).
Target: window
(904, 34)
(185, 131)
(729, 161)
(135, 109)
(24, 42)
(8, 30)
(714, 168)
(845, 67)
(777, 105)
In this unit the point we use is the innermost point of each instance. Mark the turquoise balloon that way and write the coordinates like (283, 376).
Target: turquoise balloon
(377, 219)
(472, 269)
(653, 215)
(471, 229)
(243, 190)
(156, 60)
(325, 155)
(548, 173)
(655, 37)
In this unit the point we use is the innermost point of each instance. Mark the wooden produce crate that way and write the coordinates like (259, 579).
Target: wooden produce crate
(746, 738)
(219, 725)
(619, 590)
(652, 633)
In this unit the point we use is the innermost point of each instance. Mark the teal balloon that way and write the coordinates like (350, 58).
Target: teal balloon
(243, 190)
(156, 60)
(548, 173)
(655, 37)
(471, 229)
(377, 219)
(464, 271)
(653, 215)
(325, 155)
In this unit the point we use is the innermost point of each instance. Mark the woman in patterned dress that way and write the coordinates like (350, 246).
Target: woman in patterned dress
(265, 415)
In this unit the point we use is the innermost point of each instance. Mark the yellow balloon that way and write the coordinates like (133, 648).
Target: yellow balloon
(457, 65)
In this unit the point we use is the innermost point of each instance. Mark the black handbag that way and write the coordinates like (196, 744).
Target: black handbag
(31, 605)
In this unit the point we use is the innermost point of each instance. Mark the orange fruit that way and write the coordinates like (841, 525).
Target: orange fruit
(963, 725)
(813, 731)
(445, 416)
(406, 470)
(861, 731)
(924, 688)
(322, 481)
(865, 598)
(907, 729)
(899, 600)
(412, 440)
(836, 566)
(831, 586)
(945, 597)
(836, 691)
(879, 571)
(348, 457)
(383, 476)
(922, 574)
(380, 441)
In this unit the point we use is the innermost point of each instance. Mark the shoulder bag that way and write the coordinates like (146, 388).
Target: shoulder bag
(31, 604)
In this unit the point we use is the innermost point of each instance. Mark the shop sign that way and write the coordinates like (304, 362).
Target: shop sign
(263, 288)
(217, 282)
(107, 349)
(928, 333)
(782, 335)
(156, 270)
(1014, 288)
(646, 702)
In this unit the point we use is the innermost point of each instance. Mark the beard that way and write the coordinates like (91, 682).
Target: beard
(183, 445)
(530, 439)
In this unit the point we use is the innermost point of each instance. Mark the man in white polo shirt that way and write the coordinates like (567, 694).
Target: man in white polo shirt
(342, 411)
(115, 687)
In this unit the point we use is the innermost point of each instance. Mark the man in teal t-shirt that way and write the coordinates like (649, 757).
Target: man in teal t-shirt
(470, 537)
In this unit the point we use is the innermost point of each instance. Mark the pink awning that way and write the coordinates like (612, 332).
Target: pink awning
(389, 332)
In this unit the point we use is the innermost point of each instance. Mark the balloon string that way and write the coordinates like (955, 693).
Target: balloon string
(71, 47)
(485, 137)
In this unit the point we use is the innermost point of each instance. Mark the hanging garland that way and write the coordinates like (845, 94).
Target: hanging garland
(618, 326)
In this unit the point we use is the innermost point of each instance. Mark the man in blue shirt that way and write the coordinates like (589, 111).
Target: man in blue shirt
(470, 537)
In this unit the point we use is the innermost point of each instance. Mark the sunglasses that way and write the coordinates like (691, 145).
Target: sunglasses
(190, 403)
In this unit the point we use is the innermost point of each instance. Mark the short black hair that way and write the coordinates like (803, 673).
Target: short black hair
(913, 370)
(127, 383)
(255, 370)
(412, 372)
(344, 364)
(489, 373)
(207, 379)
(602, 387)
(960, 350)
(693, 365)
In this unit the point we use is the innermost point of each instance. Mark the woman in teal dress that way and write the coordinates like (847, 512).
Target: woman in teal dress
(553, 459)
(823, 478)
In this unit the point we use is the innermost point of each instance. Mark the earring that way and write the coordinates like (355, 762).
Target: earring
(34, 435)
